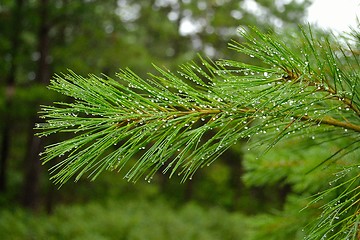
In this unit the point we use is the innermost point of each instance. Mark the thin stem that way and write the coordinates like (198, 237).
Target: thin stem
(345, 100)
(333, 122)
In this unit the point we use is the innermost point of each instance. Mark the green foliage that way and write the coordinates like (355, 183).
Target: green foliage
(95, 36)
(99, 36)
(286, 224)
(133, 219)
(307, 90)
(163, 114)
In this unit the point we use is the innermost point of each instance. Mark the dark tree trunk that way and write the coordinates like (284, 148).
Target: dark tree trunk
(5, 140)
(10, 88)
(189, 190)
(43, 73)
(284, 190)
(235, 163)
(32, 166)
(31, 197)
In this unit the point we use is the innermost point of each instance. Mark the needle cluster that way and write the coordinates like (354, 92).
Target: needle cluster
(307, 86)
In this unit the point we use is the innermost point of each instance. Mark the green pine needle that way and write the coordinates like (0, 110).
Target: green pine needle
(307, 86)
(174, 112)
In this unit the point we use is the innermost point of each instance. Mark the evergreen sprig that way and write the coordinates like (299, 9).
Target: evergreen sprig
(340, 215)
(163, 116)
(307, 87)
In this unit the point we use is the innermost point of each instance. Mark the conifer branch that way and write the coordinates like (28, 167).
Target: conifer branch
(289, 90)
(181, 122)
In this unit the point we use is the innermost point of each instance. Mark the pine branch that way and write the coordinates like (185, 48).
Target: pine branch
(119, 112)
(340, 216)
(292, 94)
(307, 85)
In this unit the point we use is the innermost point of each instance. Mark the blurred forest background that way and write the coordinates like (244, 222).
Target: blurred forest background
(39, 38)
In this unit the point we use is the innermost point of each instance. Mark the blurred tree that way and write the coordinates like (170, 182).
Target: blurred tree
(10, 71)
(31, 192)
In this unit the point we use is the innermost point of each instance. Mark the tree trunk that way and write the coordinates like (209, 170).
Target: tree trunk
(43, 72)
(31, 190)
(31, 197)
(235, 163)
(10, 88)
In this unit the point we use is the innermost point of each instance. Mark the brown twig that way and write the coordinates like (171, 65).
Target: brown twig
(332, 121)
